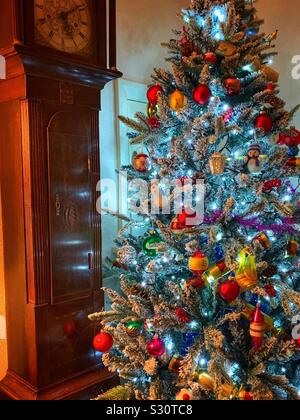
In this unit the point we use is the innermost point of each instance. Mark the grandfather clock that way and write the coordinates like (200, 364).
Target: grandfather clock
(59, 56)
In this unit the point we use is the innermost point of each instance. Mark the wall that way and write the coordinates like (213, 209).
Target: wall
(284, 16)
(142, 25)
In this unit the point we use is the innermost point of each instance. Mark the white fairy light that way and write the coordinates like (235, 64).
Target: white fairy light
(247, 67)
(226, 107)
(203, 362)
(287, 198)
(194, 325)
(220, 15)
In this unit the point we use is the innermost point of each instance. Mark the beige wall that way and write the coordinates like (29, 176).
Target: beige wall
(284, 16)
(143, 24)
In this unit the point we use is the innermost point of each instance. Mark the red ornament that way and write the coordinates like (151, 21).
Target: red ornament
(257, 329)
(227, 116)
(233, 86)
(270, 290)
(290, 138)
(177, 226)
(202, 95)
(298, 343)
(103, 342)
(229, 291)
(153, 122)
(142, 163)
(196, 283)
(264, 122)
(153, 93)
(183, 316)
(271, 87)
(210, 58)
(156, 347)
(270, 185)
(198, 263)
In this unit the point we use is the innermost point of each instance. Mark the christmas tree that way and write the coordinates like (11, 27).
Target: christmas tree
(209, 302)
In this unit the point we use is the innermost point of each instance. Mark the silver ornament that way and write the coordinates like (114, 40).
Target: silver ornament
(127, 254)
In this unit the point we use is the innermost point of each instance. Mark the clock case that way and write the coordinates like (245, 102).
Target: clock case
(49, 169)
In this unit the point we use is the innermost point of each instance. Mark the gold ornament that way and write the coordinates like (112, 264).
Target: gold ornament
(216, 272)
(217, 163)
(207, 382)
(152, 110)
(246, 276)
(178, 101)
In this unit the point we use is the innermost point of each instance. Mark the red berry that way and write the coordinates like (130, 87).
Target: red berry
(186, 397)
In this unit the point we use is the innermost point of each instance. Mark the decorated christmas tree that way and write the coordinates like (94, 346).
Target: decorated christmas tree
(209, 263)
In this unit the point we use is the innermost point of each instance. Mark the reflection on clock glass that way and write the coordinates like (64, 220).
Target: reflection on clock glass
(64, 24)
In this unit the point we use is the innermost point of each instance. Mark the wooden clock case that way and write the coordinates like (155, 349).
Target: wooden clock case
(49, 169)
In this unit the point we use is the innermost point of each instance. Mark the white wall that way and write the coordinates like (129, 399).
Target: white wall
(284, 16)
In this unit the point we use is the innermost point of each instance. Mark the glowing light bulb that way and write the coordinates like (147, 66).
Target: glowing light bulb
(220, 15)
(203, 362)
(226, 107)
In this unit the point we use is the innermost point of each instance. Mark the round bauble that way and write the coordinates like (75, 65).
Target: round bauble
(150, 245)
(142, 163)
(264, 123)
(127, 254)
(198, 263)
(229, 291)
(202, 95)
(175, 364)
(134, 328)
(178, 101)
(103, 342)
(177, 227)
(210, 57)
(156, 347)
(233, 86)
(298, 343)
(153, 94)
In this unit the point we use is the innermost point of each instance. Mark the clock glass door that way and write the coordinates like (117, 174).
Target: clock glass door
(64, 25)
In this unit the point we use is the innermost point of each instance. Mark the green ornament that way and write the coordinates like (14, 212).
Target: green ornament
(149, 245)
(134, 328)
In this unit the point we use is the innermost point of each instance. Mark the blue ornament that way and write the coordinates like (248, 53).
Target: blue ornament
(293, 151)
(219, 253)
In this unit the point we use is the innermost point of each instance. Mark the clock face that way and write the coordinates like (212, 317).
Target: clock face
(64, 25)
